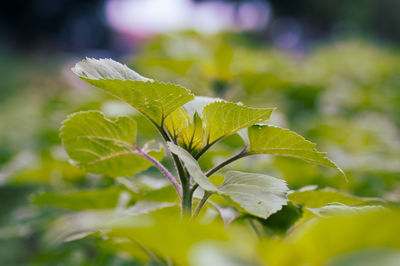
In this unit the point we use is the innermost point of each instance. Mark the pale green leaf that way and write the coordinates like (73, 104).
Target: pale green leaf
(91, 68)
(265, 139)
(320, 198)
(258, 194)
(343, 210)
(103, 146)
(83, 223)
(224, 118)
(192, 167)
(142, 207)
(155, 100)
(197, 105)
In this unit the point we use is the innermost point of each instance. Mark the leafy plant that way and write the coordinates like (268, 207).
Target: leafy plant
(189, 127)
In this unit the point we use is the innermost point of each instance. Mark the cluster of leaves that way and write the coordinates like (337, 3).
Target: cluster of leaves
(343, 96)
(129, 213)
(189, 126)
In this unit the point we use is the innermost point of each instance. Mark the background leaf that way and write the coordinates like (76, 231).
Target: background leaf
(80, 200)
(320, 198)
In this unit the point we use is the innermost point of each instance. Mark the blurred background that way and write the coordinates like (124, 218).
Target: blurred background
(332, 69)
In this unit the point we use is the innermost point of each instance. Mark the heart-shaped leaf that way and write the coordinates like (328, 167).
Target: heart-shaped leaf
(103, 146)
(265, 139)
(258, 194)
(225, 118)
(155, 100)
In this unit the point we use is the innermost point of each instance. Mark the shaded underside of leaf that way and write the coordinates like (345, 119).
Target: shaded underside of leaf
(197, 105)
(91, 68)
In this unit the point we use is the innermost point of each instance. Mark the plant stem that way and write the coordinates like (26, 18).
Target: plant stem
(186, 200)
(186, 195)
(254, 227)
(226, 162)
(212, 171)
(201, 203)
(202, 151)
(162, 169)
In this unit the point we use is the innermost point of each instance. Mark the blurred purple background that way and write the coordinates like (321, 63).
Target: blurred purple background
(113, 27)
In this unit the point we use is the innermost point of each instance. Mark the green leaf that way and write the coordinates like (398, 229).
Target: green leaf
(224, 118)
(155, 100)
(103, 146)
(320, 198)
(343, 210)
(80, 200)
(265, 139)
(320, 241)
(192, 167)
(169, 236)
(143, 207)
(259, 195)
(281, 221)
(177, 121)
(192, 137)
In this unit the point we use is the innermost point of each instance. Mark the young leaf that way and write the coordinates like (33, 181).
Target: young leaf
(192, 167)
(265, 139)
(103, 146)
(176, 122)
(224, 118)
(155, 100)
(259, 195)
(191, 138)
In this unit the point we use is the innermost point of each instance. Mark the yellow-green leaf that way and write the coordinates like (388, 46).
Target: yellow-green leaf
(265, 139)
(224, 118)
(192, 137)
(103, 146)
(155, 100)
(176, 122)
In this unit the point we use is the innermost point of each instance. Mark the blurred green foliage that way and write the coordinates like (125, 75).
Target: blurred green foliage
(345, 96)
